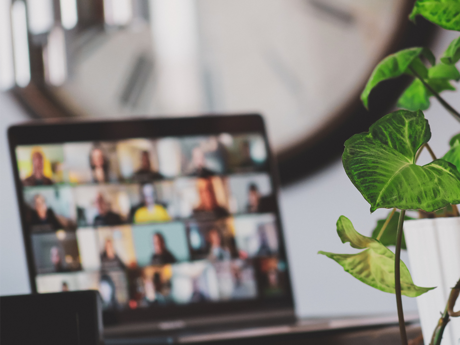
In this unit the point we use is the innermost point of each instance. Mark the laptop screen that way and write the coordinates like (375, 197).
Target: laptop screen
(154, 223)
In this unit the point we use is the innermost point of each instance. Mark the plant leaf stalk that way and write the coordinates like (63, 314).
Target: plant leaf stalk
(441, 100)
(402, 326)
(445, 317)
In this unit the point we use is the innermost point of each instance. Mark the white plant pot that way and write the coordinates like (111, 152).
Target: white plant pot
(434, 252)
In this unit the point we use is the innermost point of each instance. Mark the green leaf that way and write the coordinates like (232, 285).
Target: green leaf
(417, 96)
(445, 13)
(453, 155)
(389, 235)
(443, 71)
(375, 265)
(452, 54)
(381, 165)
(394, 66)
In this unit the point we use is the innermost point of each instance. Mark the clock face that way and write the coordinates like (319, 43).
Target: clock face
(300, 63)
(297, 61)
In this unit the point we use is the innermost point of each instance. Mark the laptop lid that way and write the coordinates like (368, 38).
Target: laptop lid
(170, 218)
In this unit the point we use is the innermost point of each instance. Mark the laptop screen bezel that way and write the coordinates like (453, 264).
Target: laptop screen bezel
(36, 133)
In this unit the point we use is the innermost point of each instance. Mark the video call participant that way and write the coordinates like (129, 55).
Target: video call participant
(109, 258)
(264, 248)
(161, 254)
(56, 260)
(37, 178)
(145, 172)
(105, 216)
(216, 250)
(149, 210)
(208, 206)
(64, 287)
(42, 217)
(198, 167)
(197, 295)
(99, 164)
(257, 203)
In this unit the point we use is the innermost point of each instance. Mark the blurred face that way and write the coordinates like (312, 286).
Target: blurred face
(37, 164)
(97, 158)
(214, 238)
(40, 206)
(101, 204)
(158, 244)
(145, 161)
(149, 194)
(55, 256)
(206, 192)
(253, 198)
(198, 157)
(273, 278)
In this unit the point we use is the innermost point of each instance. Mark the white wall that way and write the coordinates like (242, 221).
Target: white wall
(13, 269)
(310, 209)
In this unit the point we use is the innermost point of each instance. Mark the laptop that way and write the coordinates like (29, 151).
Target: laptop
(175, 221)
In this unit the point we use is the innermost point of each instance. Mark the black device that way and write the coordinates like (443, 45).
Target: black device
(174, 220)
(73, 318)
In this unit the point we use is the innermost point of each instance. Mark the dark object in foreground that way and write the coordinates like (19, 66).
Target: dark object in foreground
(52, 319)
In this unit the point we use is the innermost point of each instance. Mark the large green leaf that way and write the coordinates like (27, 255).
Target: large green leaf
(453, 155)
(452, 54)
(375, 265)
(389, 235)
(381, 165)
(394, 66)
(417, 96)
(445, 13)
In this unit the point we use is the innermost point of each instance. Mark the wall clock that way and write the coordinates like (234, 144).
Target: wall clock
(302, 63)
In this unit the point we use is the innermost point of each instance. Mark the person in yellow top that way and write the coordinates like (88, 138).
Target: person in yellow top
(150, 211)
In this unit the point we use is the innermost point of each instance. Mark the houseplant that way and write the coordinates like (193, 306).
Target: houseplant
(382, 166)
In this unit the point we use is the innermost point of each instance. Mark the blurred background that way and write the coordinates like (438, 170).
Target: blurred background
(301, 63)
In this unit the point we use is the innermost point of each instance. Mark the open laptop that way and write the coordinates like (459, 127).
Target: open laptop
(174, 220)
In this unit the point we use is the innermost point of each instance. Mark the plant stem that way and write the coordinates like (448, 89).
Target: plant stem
(428, 147)
(445, 318)
(402, 326)
(441, 100)
(382, 230)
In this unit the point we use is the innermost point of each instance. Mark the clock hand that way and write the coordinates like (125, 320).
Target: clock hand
(333, 12)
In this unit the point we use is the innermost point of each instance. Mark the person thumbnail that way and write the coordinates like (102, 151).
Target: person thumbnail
(162, 254)
(216, 249)
(64, 286)
(56, 259)
(149, 210)
(145, 173)
(37, 177)
(105, 216)
(208, 204)
(198, 164)
(43, 216)
(109, 258)
(99, 164)
(257, 203)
